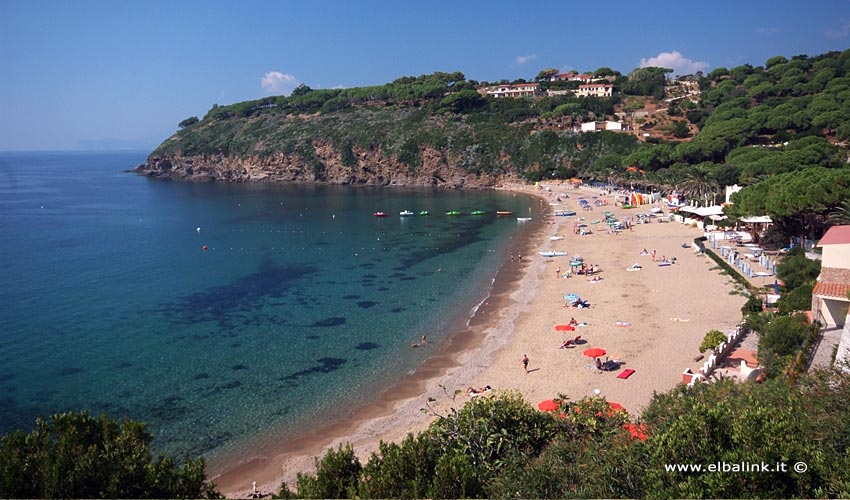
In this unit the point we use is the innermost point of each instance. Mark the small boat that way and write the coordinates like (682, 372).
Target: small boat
(553, 254)
(453, 212)
(424, 212)
(477, 212)
(503, 212)
(564, 213)
(405, 213)
(523, 219)
(379, 214)
(556, 238)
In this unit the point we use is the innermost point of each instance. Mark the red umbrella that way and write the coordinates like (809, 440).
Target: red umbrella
(565, 328)
(548, 405)
(594, 352)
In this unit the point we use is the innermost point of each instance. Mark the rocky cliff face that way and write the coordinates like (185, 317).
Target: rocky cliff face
(371, 168)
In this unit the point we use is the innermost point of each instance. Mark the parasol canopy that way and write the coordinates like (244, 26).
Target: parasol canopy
(594, 352)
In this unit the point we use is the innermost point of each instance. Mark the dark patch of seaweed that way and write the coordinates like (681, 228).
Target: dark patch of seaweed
(226, 304)
(326, 365)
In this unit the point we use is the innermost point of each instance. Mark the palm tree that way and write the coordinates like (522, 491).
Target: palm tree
(700, 183)
(840, 215)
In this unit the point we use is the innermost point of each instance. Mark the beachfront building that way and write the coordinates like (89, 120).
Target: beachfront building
(513, 91)
(829, 298)
(595, 90)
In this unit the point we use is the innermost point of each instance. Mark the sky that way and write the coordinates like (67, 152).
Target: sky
(121, 74)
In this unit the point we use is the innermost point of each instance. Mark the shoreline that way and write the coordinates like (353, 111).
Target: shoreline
(518, 318)
(396, 411)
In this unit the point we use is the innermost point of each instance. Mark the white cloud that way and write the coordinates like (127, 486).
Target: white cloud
(766, 31)
(840, 32)
(525, 59)
(680, 64)
(275, 82)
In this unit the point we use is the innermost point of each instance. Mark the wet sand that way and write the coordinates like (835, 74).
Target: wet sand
(668, 310)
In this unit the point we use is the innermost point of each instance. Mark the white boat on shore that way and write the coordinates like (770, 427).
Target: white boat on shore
(405, 213)
(553, 254)
(556, 238)
(523, 219)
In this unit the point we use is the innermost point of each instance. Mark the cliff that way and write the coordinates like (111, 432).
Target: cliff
(372, 168)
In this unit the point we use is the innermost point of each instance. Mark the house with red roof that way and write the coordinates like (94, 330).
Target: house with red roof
(829, 297)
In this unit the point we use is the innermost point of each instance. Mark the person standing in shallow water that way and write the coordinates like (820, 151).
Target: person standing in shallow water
(525, 362)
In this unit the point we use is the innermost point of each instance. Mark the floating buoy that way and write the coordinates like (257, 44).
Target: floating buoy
(198, 230)
(204, 248)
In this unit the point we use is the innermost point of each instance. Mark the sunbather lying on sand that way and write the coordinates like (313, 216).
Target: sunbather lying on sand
(472, 391)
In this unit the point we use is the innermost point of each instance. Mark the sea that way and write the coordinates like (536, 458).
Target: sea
(219, 312)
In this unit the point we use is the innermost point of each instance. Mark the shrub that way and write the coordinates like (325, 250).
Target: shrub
(74, 455)
(337, 475)
(712, 339)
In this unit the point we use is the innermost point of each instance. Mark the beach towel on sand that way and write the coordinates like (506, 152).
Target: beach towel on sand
(625, 373)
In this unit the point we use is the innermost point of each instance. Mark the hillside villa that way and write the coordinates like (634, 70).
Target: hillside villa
(512, 90)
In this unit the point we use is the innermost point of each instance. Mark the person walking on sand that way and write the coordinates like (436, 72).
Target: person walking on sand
(558, 272)
(525, 362)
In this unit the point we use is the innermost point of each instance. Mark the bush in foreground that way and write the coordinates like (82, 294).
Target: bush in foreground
(74, 455)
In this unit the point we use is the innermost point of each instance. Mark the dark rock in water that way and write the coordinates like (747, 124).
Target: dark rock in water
(366, 304)
(382, 289)
(69, 370)
(366, 346)
(398, 309)
(327, 322)
(233, 384)
(201, 376)
(239, 367)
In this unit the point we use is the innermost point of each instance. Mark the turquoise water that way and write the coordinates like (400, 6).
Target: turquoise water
(302, 304)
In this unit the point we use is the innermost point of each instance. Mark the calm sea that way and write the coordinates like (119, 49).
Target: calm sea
(217, 312)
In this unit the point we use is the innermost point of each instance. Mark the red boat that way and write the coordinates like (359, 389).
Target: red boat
(379, 214)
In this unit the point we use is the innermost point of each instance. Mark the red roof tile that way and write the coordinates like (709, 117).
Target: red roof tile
(837, 235)
(838, 290)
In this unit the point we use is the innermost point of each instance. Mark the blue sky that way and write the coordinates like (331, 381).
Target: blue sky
(121, 74)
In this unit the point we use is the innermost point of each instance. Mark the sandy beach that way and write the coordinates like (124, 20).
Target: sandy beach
(652, 320)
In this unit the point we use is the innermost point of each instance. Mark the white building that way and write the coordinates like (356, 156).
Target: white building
(513, 90)
(596, 126)
(829, 298)
(595, 89)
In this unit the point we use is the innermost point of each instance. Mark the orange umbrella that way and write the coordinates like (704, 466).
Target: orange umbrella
(565, 328)
(548, 405)
(594, 352)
